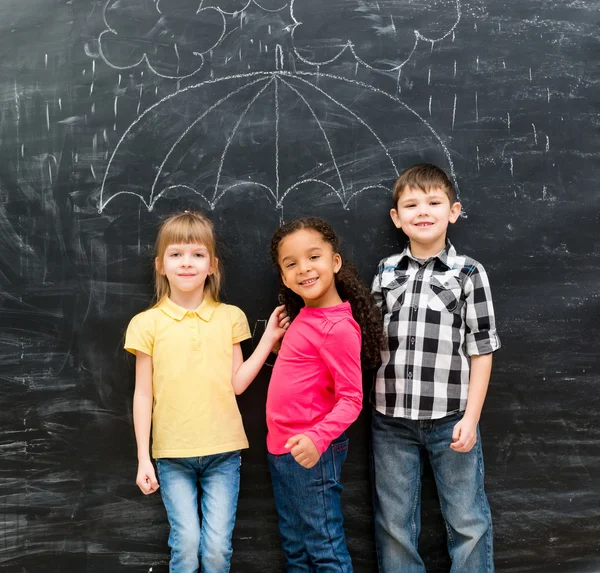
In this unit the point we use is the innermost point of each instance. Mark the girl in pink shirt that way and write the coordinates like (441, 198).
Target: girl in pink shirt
(316, 391)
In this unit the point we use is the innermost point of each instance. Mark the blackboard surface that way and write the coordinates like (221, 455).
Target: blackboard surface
(116, 113)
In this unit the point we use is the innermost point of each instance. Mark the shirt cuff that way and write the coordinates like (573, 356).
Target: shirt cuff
(484, 342)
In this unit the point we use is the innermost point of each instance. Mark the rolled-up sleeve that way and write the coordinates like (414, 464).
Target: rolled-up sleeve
(481, 336)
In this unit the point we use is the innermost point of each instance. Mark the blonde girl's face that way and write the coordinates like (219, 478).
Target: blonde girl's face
(308, 265)
(186, 267)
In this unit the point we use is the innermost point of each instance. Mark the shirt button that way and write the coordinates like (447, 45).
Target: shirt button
(410, 374)
(192, 325)
(194, 338)
(412, 340)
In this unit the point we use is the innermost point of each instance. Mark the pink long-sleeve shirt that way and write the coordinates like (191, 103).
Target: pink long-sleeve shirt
(316, 385)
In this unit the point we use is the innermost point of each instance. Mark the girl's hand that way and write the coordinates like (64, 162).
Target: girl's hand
(464, 436)
(304, 450)
(277, 324)
(146, 477)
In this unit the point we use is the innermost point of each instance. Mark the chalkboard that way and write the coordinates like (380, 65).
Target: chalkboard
(115, 113)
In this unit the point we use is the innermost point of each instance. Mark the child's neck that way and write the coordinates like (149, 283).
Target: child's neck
(425, 251)
(189, 300)
(331, 299)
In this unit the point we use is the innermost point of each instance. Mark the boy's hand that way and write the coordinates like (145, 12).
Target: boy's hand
(464, 436)
(277, 324)
(304, 450)
(146, 477)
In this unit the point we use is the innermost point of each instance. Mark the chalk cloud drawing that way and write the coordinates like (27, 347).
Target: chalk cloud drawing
(277, 131)
(167, 36)
(380, 35)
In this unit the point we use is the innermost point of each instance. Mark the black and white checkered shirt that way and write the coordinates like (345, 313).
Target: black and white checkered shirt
(436, 314)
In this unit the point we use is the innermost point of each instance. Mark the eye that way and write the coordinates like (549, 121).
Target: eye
(199, 255)
(409, 205)
(313, 257)
(174, 254)
(435, 202)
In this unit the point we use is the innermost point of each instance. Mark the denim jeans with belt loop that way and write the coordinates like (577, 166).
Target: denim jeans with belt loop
(310, 512)
(215, 479)
(398, 448)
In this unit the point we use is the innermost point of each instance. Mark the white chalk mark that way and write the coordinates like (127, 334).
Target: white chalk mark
(46, 61)
(349, 45)
(429, 77)
(530, 76)
(234, 131)
(23, 150)
(478, 164)
(544, 189)
(534, 133)
(144, 58)
(93, 172)
(508, 121)
(255, 78)
(477, 66)
(512, 168)
(91, 88)
(187, 130)
(548, 94)
(430, 97)
(454, 73)
(547, 143)
(322, 129)
(476, 109)
(47, 117)
(60, 104)
(116, 106)
(140, 99)
(454, 112)
(277, 139)
(278, 57)
(93, 108)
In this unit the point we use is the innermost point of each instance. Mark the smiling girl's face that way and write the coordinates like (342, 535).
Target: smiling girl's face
(308, 266)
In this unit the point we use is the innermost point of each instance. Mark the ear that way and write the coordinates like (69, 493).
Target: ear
(159, 267)
(213, 265)
(396, 218)
(337, 262)
(454, 212)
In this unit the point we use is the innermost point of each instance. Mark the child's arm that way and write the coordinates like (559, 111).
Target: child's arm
(142, 421)
(341, 354)
(464, 435)
(244, 372)
(481, 340)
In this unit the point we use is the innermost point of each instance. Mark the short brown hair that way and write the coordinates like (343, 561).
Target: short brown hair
(424, 176)
(186, 228)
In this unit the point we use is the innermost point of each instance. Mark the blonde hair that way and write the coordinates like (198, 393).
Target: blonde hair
(186, 228)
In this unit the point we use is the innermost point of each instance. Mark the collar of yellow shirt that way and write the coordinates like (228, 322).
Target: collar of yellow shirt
(176, 312)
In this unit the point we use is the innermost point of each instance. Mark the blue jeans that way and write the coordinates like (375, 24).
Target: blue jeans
(310, 512)
(398, 449)
(217, 478)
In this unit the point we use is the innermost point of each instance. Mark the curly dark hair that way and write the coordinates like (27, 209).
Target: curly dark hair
(348, 284)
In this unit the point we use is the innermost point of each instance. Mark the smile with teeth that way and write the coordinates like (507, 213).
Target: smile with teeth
(308, 282)
(424, 224)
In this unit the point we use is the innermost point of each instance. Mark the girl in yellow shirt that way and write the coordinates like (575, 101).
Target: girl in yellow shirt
(189, 367)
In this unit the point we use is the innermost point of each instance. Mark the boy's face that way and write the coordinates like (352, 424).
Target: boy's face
(424, 218)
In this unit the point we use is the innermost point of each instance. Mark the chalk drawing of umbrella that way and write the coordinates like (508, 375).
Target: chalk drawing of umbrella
(319, 135)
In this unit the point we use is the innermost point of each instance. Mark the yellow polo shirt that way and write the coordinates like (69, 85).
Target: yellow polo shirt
(195, 411)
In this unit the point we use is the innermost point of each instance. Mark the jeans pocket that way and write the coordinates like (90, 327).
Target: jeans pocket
(339, 451)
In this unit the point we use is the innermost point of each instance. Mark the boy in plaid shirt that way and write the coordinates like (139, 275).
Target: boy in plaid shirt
(440, 334)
